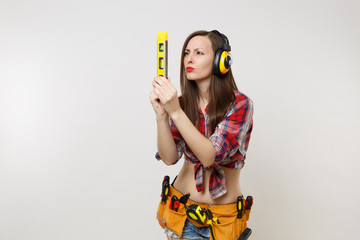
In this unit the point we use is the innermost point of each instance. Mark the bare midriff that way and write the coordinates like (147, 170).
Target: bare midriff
(185, 183)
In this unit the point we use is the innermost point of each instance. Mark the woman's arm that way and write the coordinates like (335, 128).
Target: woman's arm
(165, 141)
(200, 145)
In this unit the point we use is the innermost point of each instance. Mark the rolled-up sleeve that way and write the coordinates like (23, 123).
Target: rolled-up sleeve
(233, 132)
(179, 141)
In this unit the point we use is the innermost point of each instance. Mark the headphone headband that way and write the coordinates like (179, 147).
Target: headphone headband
(226, 46)
(222, 59)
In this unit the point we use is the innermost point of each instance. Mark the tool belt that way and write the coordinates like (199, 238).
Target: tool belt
(225, 221)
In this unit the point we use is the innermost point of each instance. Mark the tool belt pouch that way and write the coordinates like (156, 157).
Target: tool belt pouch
(229, 226)
(241, 224)
(173, 220)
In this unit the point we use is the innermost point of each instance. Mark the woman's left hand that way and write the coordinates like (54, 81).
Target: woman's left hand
(167, 94)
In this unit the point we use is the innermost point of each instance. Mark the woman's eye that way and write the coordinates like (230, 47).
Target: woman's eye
(200, 53)
(186, 53)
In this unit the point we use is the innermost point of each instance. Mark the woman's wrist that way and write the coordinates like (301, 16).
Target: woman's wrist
(176, 114)
(162, 118)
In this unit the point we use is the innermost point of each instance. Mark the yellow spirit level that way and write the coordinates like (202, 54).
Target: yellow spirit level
(162, 52)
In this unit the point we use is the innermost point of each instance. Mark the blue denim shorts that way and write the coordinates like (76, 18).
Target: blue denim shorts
(190, 231)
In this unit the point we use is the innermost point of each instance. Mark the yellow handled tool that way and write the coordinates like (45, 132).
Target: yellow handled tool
(211, 220)
(162, 52)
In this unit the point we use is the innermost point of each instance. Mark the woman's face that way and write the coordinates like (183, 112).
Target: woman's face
(198, 58)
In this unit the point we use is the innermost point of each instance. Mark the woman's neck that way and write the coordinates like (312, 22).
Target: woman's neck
(203, 89)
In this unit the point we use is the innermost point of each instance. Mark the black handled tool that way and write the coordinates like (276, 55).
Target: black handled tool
(245, 234)
(249, 202)
(174, 203)
(165, 188)
(211, 217)
(184, 199)
(211, 220)
(166, 179)
(240, 206)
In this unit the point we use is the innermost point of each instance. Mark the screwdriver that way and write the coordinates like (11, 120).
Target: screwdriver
(165, 188)
(239, 206)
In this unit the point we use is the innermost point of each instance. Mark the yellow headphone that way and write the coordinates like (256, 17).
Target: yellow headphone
(222, 60)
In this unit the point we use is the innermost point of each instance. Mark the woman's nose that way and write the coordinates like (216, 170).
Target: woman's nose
(189, 58)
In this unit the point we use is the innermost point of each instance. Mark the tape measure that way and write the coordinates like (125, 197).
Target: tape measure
(162, 52)
(196, 213)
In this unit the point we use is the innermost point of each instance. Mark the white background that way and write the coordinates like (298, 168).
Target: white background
(78, 134)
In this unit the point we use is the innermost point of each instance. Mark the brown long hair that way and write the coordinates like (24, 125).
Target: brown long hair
(221, 92)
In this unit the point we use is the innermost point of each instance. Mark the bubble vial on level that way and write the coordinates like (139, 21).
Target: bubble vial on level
(161, 63)
(161, 47)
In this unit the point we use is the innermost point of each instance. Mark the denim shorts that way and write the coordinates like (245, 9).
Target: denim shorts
(191, 231)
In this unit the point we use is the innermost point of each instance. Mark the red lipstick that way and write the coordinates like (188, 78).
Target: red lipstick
(189, 69)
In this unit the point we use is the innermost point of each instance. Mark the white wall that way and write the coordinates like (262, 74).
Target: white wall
(77, 131)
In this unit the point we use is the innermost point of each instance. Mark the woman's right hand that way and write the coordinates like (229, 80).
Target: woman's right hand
(161, 114)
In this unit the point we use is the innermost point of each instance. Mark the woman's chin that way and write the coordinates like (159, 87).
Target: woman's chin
(190, 77)
(197, 77)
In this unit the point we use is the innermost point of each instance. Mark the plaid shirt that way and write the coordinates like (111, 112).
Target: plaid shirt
(230, 140)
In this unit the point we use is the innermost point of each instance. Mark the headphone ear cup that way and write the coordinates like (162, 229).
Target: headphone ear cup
(216, 68)
(225, 62)
(228, 62)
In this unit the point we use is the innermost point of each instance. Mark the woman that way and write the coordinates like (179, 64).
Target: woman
(211, 123)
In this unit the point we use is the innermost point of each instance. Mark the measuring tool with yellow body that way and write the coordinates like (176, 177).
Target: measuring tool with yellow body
(162, 52)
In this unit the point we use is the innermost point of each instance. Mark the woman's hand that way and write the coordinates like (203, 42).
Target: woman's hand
(167, 94)
(157, 106)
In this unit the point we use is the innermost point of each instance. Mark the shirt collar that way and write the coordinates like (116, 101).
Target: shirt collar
(206, 109)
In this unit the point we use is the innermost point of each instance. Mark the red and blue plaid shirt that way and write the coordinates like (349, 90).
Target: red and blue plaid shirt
(230, 140)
